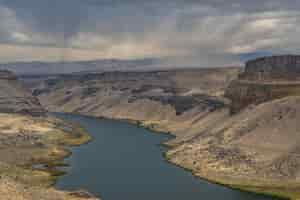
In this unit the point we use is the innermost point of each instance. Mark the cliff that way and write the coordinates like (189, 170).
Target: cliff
(265, 79)
(286, 67)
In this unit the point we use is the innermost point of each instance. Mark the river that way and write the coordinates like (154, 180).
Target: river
(125, 162)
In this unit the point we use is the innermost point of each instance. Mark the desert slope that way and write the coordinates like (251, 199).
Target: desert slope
(29, 136)
(171, 101)
(257, 149)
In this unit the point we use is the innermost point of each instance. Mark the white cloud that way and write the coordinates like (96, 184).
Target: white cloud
(9, 23)
(20, 37)
(265, 23)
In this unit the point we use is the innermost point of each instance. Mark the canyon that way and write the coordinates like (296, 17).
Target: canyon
(233, 126)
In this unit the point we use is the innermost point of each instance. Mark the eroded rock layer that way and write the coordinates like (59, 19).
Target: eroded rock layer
(265, 79)
(286, 67)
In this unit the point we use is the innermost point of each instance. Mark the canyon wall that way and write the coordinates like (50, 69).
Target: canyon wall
(265, 79)
(286, 67)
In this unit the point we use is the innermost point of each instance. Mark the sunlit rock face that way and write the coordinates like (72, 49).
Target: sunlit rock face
(265, 79)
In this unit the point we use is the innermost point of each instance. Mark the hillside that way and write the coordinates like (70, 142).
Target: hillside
(30, 137)
(256, 149)
(14, 98)
(161, 99)
(51, 68)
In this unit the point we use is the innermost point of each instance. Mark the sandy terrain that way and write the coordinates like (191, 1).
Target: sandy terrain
(30, 137)
(25, 141)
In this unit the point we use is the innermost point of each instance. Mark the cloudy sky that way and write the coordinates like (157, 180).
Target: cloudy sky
(185, 32)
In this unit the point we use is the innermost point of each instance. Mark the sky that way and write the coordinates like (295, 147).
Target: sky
(204, 33)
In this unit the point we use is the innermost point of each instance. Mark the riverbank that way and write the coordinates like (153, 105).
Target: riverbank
(288, 190)
(129, 164)
(27, 141)
(32, 143)
(266, 188)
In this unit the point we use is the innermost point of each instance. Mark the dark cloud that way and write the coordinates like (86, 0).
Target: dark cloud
(69, 16)
(55, 16)
(194, 29)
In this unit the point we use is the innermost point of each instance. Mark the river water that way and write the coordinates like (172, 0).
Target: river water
(125, 162)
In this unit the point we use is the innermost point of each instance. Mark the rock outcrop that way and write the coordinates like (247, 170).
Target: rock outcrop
(265, 79)
(286, 67)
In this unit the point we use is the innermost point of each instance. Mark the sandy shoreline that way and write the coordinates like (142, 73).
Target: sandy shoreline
(31, 149)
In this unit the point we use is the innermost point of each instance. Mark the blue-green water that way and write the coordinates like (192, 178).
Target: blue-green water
(125, 162)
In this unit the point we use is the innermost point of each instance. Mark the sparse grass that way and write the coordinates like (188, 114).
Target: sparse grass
(27, 176)
(281, 192)
(49, 152)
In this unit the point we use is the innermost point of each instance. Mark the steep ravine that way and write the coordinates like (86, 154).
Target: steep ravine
(254, 149)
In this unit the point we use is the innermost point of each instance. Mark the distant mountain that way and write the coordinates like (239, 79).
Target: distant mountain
(29, 68)
(250, 56)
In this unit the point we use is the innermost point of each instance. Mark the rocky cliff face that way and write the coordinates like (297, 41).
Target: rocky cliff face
(14, 98)
(272, 68)
(265, 79)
